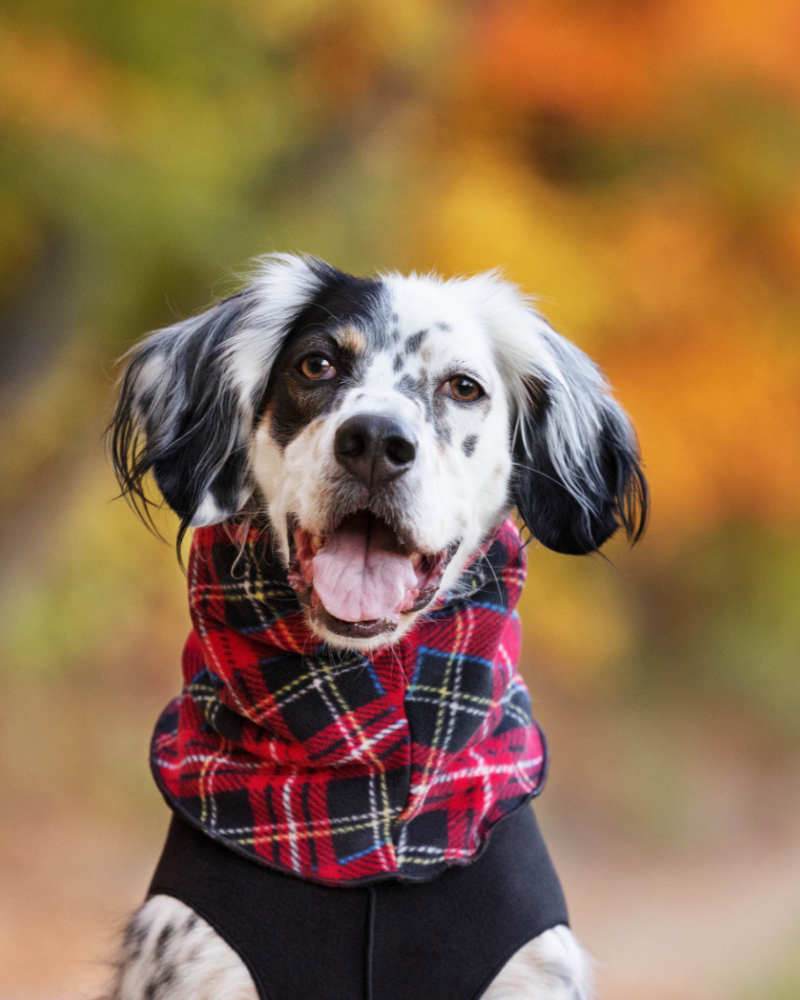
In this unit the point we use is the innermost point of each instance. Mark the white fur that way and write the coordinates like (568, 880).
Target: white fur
(282, 285)
(194, 963)
(207, 513)
(551, 967)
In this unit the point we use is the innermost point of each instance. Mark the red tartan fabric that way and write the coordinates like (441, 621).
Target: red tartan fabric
(339, 767)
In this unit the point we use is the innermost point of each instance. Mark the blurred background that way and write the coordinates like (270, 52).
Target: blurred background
(636, 164)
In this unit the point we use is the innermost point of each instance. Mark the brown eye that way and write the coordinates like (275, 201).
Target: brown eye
(466, 390)
(317, 367)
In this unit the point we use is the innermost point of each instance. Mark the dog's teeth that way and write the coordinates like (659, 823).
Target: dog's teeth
(415, 558)
(317, 541)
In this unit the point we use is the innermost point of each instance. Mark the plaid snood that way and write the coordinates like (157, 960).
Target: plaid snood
(343, 767)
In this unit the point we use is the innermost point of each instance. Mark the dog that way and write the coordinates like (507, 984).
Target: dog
(382, 430)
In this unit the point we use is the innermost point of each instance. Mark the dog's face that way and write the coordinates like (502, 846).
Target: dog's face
(377, 411)
(384, 426)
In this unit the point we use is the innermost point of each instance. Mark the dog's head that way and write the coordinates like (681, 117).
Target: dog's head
(384, 426)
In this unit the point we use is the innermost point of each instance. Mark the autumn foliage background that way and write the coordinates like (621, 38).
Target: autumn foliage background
(636, 164)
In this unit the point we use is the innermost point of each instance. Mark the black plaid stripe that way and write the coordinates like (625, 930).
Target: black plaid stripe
(319, 694)
(204, 690)
(448, 698)
(423, 842)
(362, 810)
(253, 584)
(487, 582)
(232, 808)
(517, 713)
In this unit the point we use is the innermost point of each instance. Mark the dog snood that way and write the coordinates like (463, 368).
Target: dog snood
(347, 768)
(445, 939)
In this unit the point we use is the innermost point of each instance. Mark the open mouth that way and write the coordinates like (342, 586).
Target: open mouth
(358, 579)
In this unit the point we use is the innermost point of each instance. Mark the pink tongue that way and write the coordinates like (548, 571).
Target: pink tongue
(361, 574)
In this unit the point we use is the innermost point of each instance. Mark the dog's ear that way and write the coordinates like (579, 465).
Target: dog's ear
(577, 469)
(189, 395)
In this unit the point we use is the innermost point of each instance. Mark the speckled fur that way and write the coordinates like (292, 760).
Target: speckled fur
(169, 953)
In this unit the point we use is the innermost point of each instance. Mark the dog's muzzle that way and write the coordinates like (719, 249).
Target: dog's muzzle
(365, 570)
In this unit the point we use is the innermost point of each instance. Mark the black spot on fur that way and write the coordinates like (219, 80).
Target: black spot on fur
(444, 326)
(410, 386)
(293, 401)
(190, 924)
(416, 388)
(414, 342)
(343, 300)
(163, 940)
(168, 976)
(395, 335)
(159, 985)
(468, 444)
(397, 364)
(133, 942)
(440, 411)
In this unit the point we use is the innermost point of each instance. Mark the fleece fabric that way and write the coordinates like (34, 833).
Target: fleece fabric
(348, 768)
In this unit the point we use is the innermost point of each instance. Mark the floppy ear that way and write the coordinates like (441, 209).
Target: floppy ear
(578, 475)
(189, 395)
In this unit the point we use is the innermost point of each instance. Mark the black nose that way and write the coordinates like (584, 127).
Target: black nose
(374, 449)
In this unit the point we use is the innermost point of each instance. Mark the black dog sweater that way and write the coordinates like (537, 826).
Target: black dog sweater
(444, 939)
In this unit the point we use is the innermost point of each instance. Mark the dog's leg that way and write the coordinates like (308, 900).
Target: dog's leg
(551, 967)
(169, 953)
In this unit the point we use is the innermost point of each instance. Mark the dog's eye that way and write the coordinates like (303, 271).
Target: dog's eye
(464, 389)
(317, 367)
